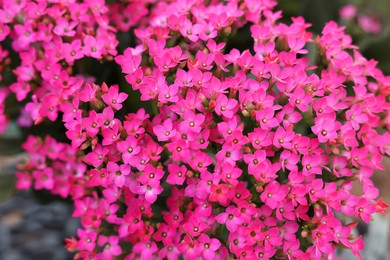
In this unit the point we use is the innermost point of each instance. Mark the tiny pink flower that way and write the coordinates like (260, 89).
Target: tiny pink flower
(113, 98)
(226, 107)
(208, 246)
(165, 131)
(110, 246)
(231, 218)
(273, 194)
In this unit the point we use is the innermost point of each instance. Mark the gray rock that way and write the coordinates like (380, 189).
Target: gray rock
(71, 227)
(11, 255)
(5, 238)
(34, 231)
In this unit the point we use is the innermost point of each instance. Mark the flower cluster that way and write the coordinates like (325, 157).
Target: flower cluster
(52, 166)
(4, 62)
(248, 154)
(50, 38)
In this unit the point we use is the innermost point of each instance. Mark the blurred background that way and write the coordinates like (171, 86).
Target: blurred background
(33, 224)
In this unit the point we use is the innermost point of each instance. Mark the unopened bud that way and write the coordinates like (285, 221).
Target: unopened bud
(227, 31)
(85, 145)
(189, 174)
(245, 113)
(212, 104)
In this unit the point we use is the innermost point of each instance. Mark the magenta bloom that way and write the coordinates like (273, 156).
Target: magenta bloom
(110, 245)
(273, 194)
(97, 156)
(325, 129)
(166, 131)
(208, 246)
(128, 148)
(192, 122)
(44, 179)
(226, 107)
(113, 98)
(231, 218)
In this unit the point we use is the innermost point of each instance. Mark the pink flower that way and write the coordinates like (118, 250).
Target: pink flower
(282, 138)
(189, 247)
(285, 211)
(300, 99)
(339, 167)
(226, 107)
(51, 107)
(266, 118)
(151, 175)
(92, 123)
(272, 238)
(259, 138)
(356, 246)
(113, 98)
(200, 79)
(43, 179)
(288, 116)
(356, 117)
(93, 47)
(190, 31)
(76, 134)
(311, 165)
(25, 36)
(183, 78)
(128, 148)
(110, 246)
(24, 180)
(145, 249)
(201, 161)
(176, 22)
(325, 129)
(273, 194)
(220, 193)
(370, 24)
(289, 160)
(177, 174)
(97, 156)
(231, 218)
(168, 93)
(110, 135)
(72, 51)
(228, 154)
(118, 173)
(364, 209)
(64, 28)
(150, 192)
(230, 173)
(348, 12)
(253, 160)
(87, 239)
(195, 227)
(315, 190)
(192, 122)
(166, 131)
(322, 236)
(209, 246)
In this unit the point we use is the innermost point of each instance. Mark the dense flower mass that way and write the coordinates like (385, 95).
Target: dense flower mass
(248, 154)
